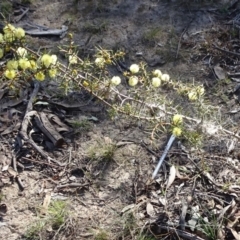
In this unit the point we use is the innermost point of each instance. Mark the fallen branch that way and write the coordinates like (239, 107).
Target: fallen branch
(181, 233)
(25, 137)
(27, 119)
(46, 32)
(226, 51)
(47, 128)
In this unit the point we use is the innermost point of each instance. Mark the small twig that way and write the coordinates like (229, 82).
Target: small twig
(63, 225)
(179, 42)
(180, 39)
(44, 163)
(73, 185)
(20, 165)
(182, 222)
(14, 164)
(230, 133)
(33, 96)
(18, 18)
(147, 148)
(226, 51)
(19, 181)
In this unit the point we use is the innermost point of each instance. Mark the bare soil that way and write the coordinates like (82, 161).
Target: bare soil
(112, 160)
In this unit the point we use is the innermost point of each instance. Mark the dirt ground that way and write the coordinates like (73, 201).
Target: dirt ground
(111, 161)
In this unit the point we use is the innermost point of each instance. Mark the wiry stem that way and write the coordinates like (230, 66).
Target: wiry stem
(77, 79)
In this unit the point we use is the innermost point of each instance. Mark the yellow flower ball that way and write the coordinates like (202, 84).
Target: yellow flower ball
(85, 84)
(24, 63)
(108, 61)
(9, 37)
(156, 82)
(177, 131)
(33, 65)
(1, 38)
(100, 62)
(134, 68)
(19, 33)
(52, 73)
(1, 52)
(9, 28)
(74, 72)
(72, 59)
(39, 76)
(12, 65)
(133, 81)
(177, 119)
(165, 77)
(157, 73)
(192, 96)
(200, 90)
(54, 59)
(46, 60)
(21, 52)
(10, 74)
(115, 80)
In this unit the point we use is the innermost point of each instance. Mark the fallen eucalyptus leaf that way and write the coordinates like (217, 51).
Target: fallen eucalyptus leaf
(192, 223)
(222, 213)
(41, 103)
(12, 172)
(46, 203)
(235, 221)
(163, 201)
(220, 73)
(5, 168)
(94, 119)
(172, 176)
(150, 210)
(235, 234)
(127, 208)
